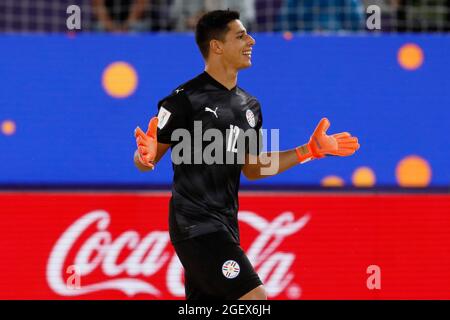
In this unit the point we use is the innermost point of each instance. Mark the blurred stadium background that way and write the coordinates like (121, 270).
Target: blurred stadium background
(80, 221)
(258, 15)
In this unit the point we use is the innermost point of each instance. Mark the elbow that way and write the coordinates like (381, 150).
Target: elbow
(250, 175)
(250, 178)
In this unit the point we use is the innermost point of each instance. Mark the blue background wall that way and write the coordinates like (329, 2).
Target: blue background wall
(70, 131)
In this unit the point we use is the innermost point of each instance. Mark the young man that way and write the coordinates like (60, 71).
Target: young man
(203, 222)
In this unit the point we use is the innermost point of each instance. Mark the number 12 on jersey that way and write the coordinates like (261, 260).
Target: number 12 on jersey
(232, 139)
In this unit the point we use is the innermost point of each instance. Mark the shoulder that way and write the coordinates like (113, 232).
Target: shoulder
(179, 95)
(251, 100)
(245, 92)
(174, 99)
(190, 85)
(248, 95)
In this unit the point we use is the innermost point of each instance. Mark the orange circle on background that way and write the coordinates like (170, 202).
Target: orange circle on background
(413, 171)
(363, 177)
(410, 56)
(8, 127)
(119, 79)
(332, 181)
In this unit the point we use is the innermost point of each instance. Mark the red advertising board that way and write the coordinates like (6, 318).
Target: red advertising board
(83, 245)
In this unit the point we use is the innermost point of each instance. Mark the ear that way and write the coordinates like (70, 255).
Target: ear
(216, 46)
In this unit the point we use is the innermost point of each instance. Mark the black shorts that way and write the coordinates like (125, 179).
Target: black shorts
(215, 268)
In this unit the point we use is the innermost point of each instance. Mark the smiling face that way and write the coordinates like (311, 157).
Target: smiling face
(237, 46)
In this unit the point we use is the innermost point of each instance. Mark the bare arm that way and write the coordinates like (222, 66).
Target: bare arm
(320, 145)
(269, 163)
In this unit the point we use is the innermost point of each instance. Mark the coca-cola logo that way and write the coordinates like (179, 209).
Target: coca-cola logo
(151, 254)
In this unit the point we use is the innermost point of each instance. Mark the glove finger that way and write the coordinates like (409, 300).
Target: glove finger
(142, 142)
(142, 159)
(347, 145)
(354, 146)
(152, 127)
(146, 162)
(347, 139)
(139, 133)
(342, 135)
(346, 152)
(145, 159)
(351, 148)
(322, 127)
(143, 151)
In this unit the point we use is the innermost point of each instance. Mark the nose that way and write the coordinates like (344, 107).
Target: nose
(252, 41)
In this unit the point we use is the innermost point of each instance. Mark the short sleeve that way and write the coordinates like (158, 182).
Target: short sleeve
(252, 149)
(260, 133)
(173, 113)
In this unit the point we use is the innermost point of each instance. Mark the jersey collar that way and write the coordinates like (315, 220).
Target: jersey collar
(216, 83)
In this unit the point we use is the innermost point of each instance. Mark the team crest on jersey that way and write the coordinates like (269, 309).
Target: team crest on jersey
(231, 269)
(163, 117)
(250, 118)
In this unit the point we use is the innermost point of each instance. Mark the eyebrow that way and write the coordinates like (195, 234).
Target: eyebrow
(239, 32)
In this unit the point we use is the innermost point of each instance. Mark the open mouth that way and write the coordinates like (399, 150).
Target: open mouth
(247, 53)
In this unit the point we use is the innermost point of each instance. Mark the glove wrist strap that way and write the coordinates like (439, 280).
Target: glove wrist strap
(304, 154)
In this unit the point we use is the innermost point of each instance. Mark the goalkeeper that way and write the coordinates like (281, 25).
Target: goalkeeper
(203, 224)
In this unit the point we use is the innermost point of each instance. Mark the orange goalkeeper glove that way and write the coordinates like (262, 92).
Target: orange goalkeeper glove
(147, 143)
(320, 144)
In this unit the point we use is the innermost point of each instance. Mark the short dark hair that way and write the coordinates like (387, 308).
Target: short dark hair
(213, 25)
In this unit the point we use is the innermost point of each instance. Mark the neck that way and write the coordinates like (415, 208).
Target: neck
(225, 76)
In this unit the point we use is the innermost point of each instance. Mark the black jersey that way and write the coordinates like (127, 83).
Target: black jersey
(204, 194)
